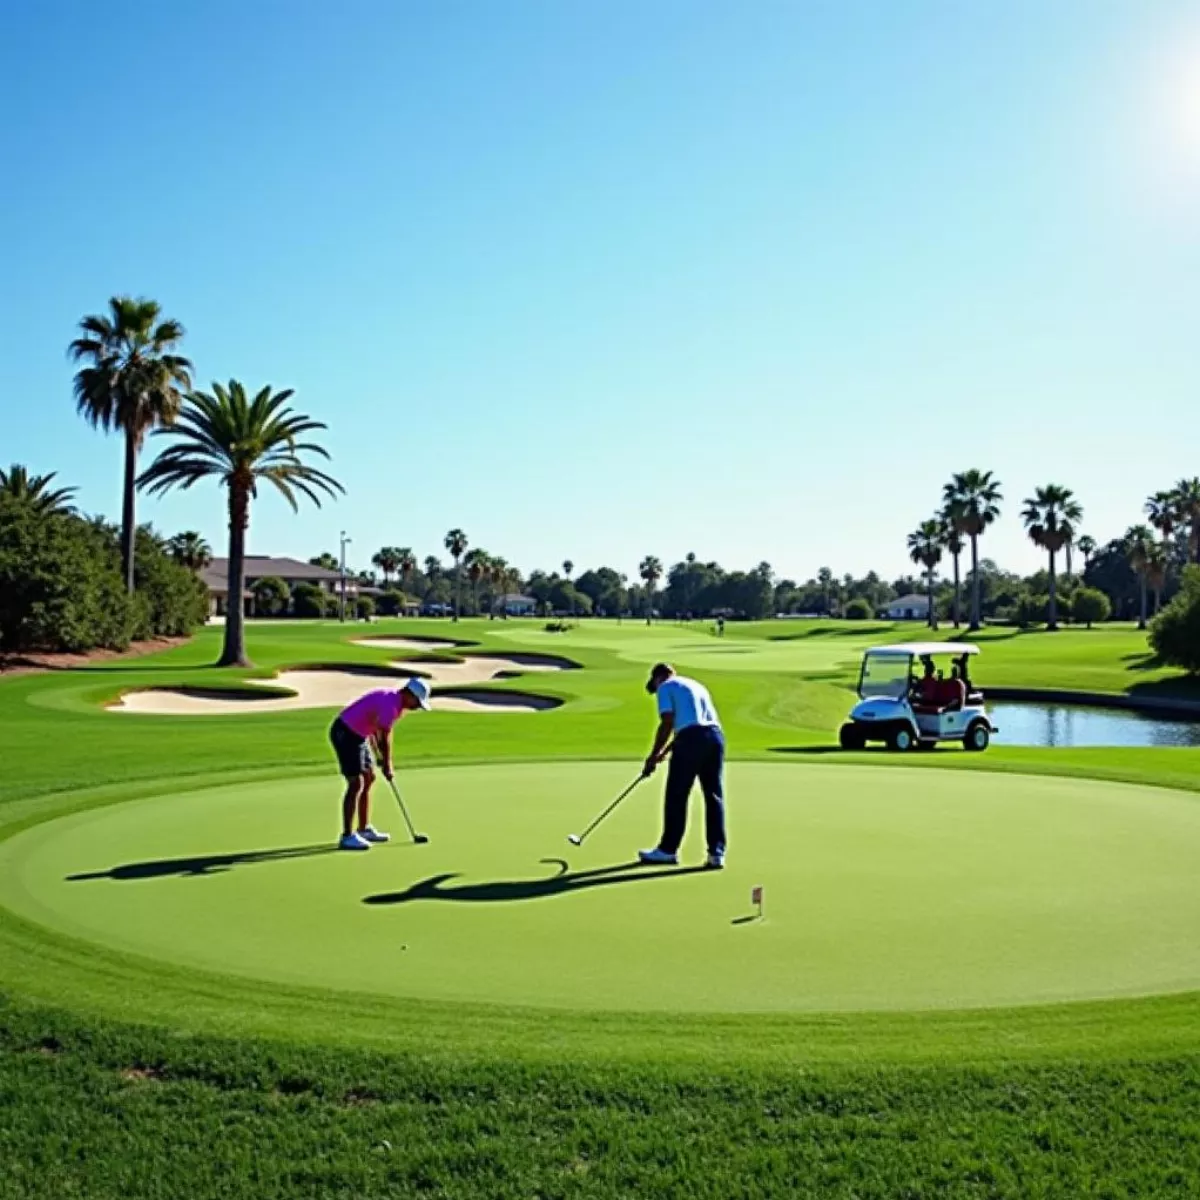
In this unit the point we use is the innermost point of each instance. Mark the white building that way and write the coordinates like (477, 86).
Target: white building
(908, 608)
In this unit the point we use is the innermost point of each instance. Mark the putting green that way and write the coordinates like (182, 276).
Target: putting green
(886, 888)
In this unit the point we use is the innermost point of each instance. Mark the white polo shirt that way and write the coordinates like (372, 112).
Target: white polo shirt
(688, 701)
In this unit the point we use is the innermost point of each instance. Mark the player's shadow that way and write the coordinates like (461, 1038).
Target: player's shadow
(201, 865)
(504, 890)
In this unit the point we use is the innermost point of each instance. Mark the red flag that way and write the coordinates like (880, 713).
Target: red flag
(756, 895)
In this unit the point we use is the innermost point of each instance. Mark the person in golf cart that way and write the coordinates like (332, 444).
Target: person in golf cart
(935, 694)
(369, 719)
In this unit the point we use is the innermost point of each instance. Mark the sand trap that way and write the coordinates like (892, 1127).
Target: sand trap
(335, 688)
(397, 643)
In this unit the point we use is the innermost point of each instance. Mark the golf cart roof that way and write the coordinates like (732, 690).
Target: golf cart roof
(921, 649)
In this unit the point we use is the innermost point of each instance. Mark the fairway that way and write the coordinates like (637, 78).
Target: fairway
(886, 888)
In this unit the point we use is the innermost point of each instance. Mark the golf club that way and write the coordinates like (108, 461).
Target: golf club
(577, 839)
(419, 839)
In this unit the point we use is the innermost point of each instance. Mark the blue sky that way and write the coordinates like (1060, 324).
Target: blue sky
(602, 279)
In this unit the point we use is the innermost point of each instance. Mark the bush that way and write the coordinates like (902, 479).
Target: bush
(391, 603)
(1175, 632)
(308, 600)
(271, 597)
(170, 601)
(60, 584)
(858, 609)
(1089, 605)
(1031, 610)
(365, 607)
(559, 626)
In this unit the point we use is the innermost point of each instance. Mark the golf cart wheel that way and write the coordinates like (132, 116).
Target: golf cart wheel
(851, 737)
(978, 737)
(901, 739)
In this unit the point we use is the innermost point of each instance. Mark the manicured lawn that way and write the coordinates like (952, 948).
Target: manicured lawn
(206, 1015)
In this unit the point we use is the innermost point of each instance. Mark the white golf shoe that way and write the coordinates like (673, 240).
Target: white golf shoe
(715, 862)
(354, 841)
(371, 834)
(658, 857)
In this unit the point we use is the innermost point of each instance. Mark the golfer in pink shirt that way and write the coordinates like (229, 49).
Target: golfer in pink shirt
(369, 719)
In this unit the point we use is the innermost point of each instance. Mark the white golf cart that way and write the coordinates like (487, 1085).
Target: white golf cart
(904, 707)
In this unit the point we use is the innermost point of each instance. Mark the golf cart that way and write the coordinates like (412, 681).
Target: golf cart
(904, 707)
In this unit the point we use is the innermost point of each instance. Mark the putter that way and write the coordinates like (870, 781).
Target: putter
(577, 839)
(419, 839)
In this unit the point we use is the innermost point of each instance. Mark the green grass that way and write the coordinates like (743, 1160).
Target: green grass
(132, 1066)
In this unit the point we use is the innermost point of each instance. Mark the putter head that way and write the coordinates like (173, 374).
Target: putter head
(574, 839)
(419, 839)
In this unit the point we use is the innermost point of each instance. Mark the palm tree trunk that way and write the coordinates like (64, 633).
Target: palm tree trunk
(457, 586)
(1053, 614)
(1067, 548)
(932, 621)
(234, 652)
(128, 511)
(957, 584)
(975, 594)
(1142, 607)
(1157, 600)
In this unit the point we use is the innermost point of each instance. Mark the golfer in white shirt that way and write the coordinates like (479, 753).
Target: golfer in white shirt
(687, 713)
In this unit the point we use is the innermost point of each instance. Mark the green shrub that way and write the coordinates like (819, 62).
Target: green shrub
(60, 584)
(559, 626)
(1175, 632)
(1089, 605)
(858, 609)
(308, 600)
(391, 603)
(1031, 610)
(365, 607)
(271, 597)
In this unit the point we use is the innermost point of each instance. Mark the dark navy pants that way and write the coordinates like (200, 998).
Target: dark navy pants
(699, 753)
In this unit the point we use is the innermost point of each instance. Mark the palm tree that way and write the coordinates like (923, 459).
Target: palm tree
(456, 544)
(388, 561)
(1156, 573)
(1050, 517)
(976, 497)
(433, 568)
(952, 539)
(1087, 547)
(825, 579)
(925, 547)
(1162, 512)
(1186, 498)
(1139, 545)
(241, 442)
(477, 569)
(406, 564)
(650, 569)
(190, 550)
(498, 571)
(133, 382)
(326, 561)
(568, 567)
(36, 491)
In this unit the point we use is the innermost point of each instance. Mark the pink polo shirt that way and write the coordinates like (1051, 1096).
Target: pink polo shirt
(374, 713)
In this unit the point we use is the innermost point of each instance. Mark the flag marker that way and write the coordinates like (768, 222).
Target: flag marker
(756, 898)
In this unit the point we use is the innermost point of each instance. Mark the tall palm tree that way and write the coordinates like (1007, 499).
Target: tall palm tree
(1162, 512)
(1087, 547)
(1139, 546)
(825, 579)
(190, 550)
(387, 559)
(240, 441)
(952, 538)
(1186, 498)
(35, 490)
(650, 569)
(1051, 515)
(133, 381)
(925, 547)
(498, 571)
(456, 545)
(568, 567)
(432, 567)
(406, 564)
(477, 568)
(976, 498)
(1156, 573)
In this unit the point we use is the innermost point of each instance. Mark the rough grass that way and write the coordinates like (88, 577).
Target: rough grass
(116, 1078)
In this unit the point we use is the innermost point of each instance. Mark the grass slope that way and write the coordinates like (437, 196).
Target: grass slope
(292, 1091)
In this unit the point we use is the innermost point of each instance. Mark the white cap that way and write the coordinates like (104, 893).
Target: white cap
(420, 689)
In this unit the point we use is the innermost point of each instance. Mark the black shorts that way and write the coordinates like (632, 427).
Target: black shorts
(353, 752)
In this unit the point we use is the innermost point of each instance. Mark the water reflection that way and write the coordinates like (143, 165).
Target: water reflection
(1035, 723)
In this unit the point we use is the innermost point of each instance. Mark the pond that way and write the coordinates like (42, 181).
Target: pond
(1041, 723)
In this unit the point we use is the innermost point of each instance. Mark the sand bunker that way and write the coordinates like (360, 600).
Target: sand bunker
(337, 687)
(398, 643)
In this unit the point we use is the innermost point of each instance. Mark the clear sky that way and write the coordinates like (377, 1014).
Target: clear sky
(607, 278)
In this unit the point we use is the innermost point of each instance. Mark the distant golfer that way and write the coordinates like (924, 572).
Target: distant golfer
(686, 710)
(369, 718)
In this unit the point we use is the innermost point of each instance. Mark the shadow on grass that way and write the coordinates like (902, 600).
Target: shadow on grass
(201, 865)
(502, 891)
